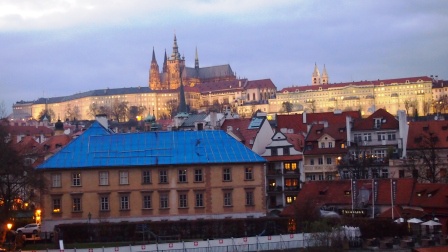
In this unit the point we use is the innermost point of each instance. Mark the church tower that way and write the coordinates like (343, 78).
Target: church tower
(315, 79)
(324, 79)
(154, 77)
(175, 65)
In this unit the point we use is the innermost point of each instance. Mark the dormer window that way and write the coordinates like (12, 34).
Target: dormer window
(322, 145)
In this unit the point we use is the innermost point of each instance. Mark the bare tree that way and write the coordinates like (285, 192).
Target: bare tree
(440, 105)
(18, 182)
(171, 107)
(48, 113)
(71, 112)
(408, 104)
(287, 107)
(135, 111)
(95, 109)
(119, 110)
(426, 163)
(2, 110)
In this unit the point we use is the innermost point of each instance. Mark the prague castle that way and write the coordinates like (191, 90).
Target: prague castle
(217, 87)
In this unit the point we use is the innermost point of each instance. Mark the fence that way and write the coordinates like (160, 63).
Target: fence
(258, 243)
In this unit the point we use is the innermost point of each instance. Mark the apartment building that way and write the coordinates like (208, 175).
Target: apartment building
(153, 176)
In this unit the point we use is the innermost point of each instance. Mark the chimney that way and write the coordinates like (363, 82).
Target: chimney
(213, 119)
(304, 117)
(102, 119)
(239, 83)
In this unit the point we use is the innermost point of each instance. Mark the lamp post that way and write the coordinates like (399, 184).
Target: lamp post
(88, 227)
(9, 226)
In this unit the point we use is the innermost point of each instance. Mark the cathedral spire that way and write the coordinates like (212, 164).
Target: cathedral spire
(175, 55)
(153, 56)
(164, 68)
(196, 60)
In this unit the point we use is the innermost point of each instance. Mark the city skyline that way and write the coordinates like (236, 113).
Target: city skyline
(52, 49)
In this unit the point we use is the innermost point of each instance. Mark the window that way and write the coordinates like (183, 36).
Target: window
(147, 204)
(384, 173)
(182, 176)
(163, 176)
(367, 137)
(291, 182)
(226, 174)
(164, 201)
(274, 152)
(198, 175)
(290, 166)
(104, 203)
(56, 180)
(227, 198)
(124, 202)
(329, 176)
(322, 145)
(330, 145)
(320, 160)
(183, 203)
(249, 198)
(357, 138)
(76, 179)
(124, 178)
(312, 161)
(381, 136)
(146, 177)
(56, 204)
(328, 160)
(380, 153)
(311, 177)
(199, 199)
(290, 199)
(390, 136)
(76, 204)
(320, 177)
(104, 178)
(401, 173)
(248, 173)
(345, 175)
(285, 151)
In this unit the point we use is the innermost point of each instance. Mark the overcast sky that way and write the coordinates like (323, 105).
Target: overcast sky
(52, 48)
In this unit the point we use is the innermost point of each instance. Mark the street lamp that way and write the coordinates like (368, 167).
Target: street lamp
(9, 226)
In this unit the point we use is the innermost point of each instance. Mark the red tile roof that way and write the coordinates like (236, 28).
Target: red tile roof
(419, 134)
(333, 193)
(240, 129)
(284, 158)
(296, 123)
(29, 130)
(261, 84)
(317, 131)
(297, 140)
(358, 83)
(388, 121)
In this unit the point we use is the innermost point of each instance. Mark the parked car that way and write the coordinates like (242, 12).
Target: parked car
(32, 228)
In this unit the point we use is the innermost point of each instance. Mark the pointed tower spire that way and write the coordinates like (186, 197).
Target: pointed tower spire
(154, 75)
(315, 80)
(164, 63)
(196, 60)
(182, 102)
(324, 76)
(175, 55)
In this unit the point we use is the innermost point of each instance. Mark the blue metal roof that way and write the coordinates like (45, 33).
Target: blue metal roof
(98, 147)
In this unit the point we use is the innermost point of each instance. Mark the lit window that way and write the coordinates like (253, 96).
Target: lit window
(56, 205)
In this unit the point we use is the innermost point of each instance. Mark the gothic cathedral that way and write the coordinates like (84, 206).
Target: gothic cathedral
(174, 72)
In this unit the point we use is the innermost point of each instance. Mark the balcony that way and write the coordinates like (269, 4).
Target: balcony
(320, 168)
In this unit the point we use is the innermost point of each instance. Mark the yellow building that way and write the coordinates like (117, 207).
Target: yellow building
(152, 176)
(413, 94)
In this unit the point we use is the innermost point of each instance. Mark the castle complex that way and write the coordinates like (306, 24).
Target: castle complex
(218, 87)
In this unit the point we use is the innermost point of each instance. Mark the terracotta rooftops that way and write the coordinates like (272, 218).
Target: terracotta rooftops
(422, 133)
